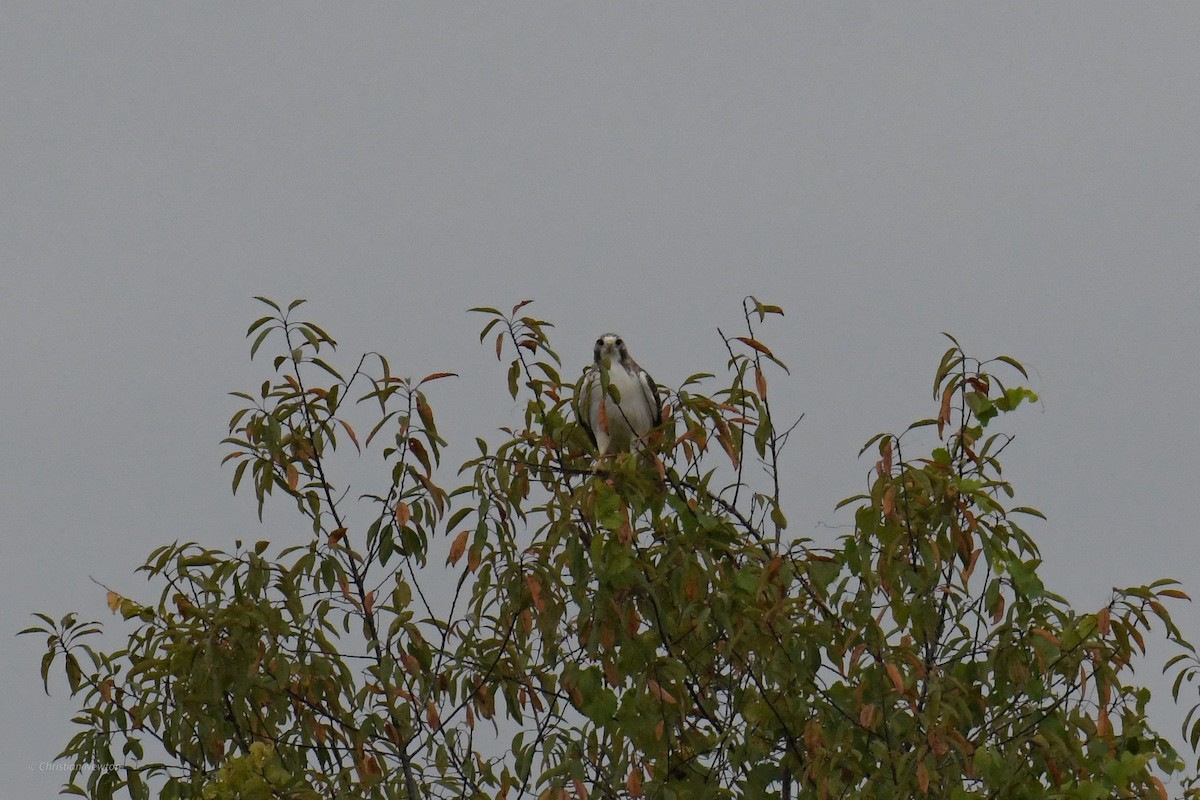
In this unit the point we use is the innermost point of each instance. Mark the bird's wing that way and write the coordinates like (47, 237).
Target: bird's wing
(584, 390)
(650, 392)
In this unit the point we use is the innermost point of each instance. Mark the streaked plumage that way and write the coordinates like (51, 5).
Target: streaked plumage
(620, 427)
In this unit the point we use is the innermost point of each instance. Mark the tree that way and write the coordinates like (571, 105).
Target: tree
(647, 627)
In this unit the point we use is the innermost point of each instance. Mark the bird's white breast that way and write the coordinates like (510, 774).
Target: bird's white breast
(630, 419)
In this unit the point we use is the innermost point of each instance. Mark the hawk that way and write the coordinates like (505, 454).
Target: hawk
(616, 425)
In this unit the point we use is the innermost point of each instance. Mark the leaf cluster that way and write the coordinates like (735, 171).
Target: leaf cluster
(647, 626)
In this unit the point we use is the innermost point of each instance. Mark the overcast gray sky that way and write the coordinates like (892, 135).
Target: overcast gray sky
(1025, 176)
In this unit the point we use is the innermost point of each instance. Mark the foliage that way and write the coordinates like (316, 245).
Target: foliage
(643, 627)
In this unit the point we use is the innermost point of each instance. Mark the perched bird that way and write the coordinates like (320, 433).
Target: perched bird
(616, 425)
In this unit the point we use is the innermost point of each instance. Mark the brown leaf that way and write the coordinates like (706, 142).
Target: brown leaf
(922, 778)
(813, 737)
(403, 513)
(1137, 637)
(944, 414)
(293, 477)
(659, 692)
(350, 432)
(519, 306)
(1103, 724)
(1158, 787)
(369, 602)
(437, 376)
(608, 635)
(106, 690)
(114, 601)
(458, 547)
(499, 345)
(474, 557)
(971, 564)
(336, 536)
(633, 623)
(1104, 620)
(726, 441)
(625, 532)
(760, 383)
(866, 717)
(897, 680)
(889, 502)
(757, 345)
(345, 585)
(1048, 636)
(535, 592)
(937, 743)
(633, 784)
(431, 715)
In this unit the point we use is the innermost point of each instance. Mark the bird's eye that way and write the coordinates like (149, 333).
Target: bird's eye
(599, 343)
(620, 342)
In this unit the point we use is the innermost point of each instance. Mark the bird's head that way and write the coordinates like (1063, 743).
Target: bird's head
(610, 347)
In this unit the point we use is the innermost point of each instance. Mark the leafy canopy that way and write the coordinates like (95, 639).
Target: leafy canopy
(648, 626)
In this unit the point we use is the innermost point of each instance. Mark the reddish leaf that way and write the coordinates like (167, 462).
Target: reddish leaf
(535, 592)
(889, 502)
(336, 536)
(499, 345)
(403, 514)
(1103, 723)
(659, 692)
(431, 715)
(519, 306)
(760, 383)
(897, 680)
(1104, 620)
(350, 432)
(944, 413)
(922, 778)
(727, 445)
(437, 376)
(1048, 636)
(458, 547)
(293, 477)
(757, 345)
(633, 784)
(625, 532)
